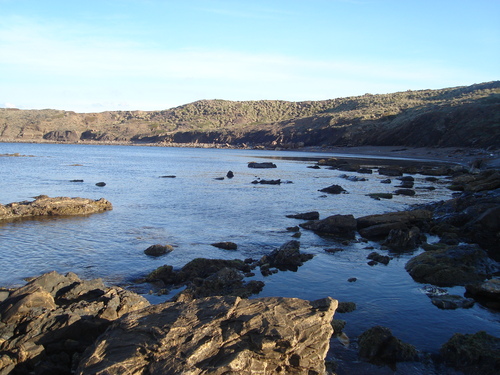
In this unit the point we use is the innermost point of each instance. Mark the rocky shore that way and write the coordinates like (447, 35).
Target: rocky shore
(61, 324)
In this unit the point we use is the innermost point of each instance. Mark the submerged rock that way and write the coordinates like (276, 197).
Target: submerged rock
(217, 335)
(227, 245)
(58, 206)
(452, 302)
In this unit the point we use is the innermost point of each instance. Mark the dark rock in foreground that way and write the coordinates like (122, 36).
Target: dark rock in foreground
(477, 353)
(379, 346)
(58, 206)
(458, 265)
(47, 324)
(217, 335)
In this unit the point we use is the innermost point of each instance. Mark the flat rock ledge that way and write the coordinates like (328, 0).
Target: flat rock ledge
(217, 335)
(58, 206)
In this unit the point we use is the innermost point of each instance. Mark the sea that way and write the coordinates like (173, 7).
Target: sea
(197, 205)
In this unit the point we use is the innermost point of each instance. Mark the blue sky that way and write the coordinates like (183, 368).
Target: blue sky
(98, 55)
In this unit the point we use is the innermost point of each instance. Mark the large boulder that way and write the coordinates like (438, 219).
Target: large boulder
(487, 293)
(217, 335)
(336, 225)
(58, 206)
(477, 353)
(400, 240)
(457, 265)
(50, 321)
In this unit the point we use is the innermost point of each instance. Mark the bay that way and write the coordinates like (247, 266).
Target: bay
(196, 208)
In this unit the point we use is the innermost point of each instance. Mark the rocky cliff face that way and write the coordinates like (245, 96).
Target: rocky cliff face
(454, 117)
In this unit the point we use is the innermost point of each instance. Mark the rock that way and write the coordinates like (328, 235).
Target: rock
(157, 250)
(452, 302)
(379, 258)
(267, 182)
(100, 184)
(217, 335)
(346, 307)
(287, 257)
(380, 225)
(486, 180)
(219, 178)
(333, 250)
(168, 176)
(312, 215)
(379, 346)
(486, 293)
(55, 316)
(352, 279)
(352, 178)
(365, 170)
(226, 245)
(408, 192)
(406, 184)
(343, 226)
(230, 174)
(378, 196)
(386, 181)
(293, 229)
(59, 206)
(458, 265)
(76, 181)
(400, 240)
(477, 353)
(334, 189)
(392, 172)
(261, 165)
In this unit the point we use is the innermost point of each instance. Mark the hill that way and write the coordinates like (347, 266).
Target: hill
(467, 116)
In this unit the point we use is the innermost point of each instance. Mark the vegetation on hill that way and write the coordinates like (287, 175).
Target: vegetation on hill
(466, 116)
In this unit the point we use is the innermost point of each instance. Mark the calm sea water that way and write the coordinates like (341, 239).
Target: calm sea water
(195, 209)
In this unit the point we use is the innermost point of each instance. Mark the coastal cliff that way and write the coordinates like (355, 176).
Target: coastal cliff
(453, 117)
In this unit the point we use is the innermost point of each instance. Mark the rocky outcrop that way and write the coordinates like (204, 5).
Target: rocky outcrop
(477, 353)
(457, 265)
(59, 206)
(217, 335)
(343, 226)
(47, 324)
(486, 293)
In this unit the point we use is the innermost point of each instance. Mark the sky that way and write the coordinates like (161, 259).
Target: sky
(100, 55)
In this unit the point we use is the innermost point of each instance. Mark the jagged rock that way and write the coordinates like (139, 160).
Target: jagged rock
(58, 206)
(227, 245)
(217, 335)
(336, 225)
(56, 315)
(334, 189)
(346, 307)
(379, 346)
(458, 265)
(157, 250)
(287, 257)
(477, 353)
(312, 215)
(487, 293)
(253, 164)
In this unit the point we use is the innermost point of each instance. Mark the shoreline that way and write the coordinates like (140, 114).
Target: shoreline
(464, 156)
